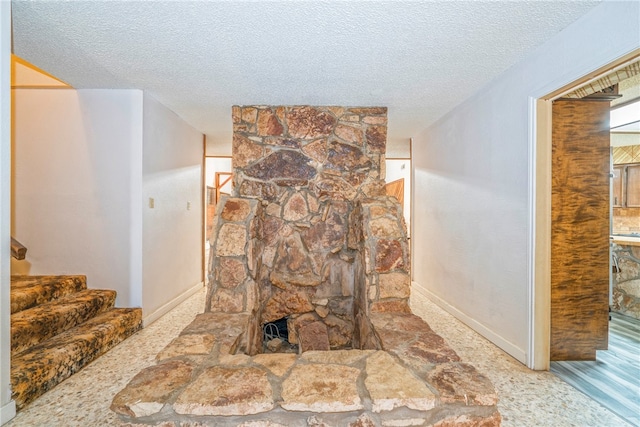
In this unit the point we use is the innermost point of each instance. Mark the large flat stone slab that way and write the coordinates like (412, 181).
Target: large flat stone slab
(188, 345)
(337, 357)
(277, 364)
(461, 382)
(493, 420)
(391, 385)
(226, 391)
(321, 388)
(150, 389)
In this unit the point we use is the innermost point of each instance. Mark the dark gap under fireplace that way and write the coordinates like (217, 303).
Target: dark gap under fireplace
(275, 337)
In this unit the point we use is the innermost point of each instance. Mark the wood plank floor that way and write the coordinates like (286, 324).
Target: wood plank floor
(613, 380)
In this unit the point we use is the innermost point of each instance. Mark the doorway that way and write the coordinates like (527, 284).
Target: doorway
(540, 316)
(548, 262)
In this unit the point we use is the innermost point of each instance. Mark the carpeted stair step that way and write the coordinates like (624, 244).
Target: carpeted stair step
(32, 326)
(40, 368)
(29, 291)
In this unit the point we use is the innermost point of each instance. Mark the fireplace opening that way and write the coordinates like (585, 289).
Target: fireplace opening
(275, 337)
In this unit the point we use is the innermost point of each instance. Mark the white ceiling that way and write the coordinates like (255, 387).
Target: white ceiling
(418, 58)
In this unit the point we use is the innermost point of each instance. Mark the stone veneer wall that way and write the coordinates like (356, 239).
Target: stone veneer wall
(626, 282)
(309, 233)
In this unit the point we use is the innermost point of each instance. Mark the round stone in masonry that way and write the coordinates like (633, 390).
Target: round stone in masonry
(282, 164)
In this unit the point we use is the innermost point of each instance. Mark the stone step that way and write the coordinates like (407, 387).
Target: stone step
(29, 291)
(32, 326)
(40, 368)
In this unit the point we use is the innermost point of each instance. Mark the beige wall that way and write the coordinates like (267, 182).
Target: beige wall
(77, 160)
(172, 230)
(86, 164)
(474, 183)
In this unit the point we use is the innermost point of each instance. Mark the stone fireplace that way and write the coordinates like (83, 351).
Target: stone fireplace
(310, 240)
(309, 235)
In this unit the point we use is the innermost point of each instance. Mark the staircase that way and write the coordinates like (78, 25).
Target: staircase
(58, 326)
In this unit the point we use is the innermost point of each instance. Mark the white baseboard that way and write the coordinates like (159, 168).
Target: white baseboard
(501, 342)
(7, 412)
(152, 317)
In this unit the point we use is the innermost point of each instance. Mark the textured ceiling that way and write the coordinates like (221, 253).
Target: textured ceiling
(418, 58)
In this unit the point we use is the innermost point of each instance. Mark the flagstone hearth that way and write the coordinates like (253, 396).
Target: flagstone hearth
(307, 319)
(415, 380)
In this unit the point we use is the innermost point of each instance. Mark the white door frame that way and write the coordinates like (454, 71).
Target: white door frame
(7, 406)
(539, 283)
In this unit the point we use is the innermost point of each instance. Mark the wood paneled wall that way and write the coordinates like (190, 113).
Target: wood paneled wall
(580, 229)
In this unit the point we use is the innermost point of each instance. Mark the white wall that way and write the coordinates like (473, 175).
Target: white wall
(399, 149)
(472, 187)
(7, 406)
(623, 139)
(86, 164)
(218, 148)
(172, 231)
(75, 171)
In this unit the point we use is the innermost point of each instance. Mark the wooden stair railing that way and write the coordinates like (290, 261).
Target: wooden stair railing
(396, 189)
(220, 183)
(18, 251)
